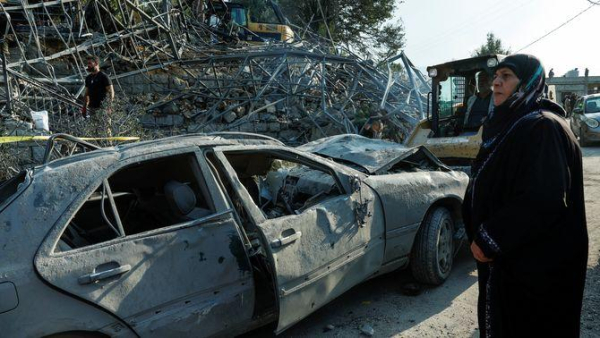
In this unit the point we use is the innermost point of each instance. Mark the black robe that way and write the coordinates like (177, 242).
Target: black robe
(527, 212)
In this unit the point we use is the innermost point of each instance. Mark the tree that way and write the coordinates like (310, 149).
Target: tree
(493, 45)
(359, 24)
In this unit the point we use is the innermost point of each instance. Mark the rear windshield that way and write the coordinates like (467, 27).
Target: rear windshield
(10, 187)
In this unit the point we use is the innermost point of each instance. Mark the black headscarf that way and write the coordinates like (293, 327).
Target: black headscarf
(528, 97)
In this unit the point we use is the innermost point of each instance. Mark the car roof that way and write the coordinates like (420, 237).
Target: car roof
(109, 155)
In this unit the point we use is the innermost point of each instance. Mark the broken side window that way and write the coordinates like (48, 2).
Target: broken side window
(280, 186)
(147, 195)
(93, 223)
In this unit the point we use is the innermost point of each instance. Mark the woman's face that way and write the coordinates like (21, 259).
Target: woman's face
(505, 83)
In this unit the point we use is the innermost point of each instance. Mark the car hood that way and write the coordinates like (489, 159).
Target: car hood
(371, 154)
(595, 116)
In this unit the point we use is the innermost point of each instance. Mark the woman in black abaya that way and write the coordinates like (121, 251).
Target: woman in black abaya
(524, 211)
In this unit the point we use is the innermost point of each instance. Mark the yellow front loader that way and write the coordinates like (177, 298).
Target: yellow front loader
(443, 131)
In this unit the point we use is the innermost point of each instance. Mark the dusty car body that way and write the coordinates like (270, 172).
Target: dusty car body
(202, 236)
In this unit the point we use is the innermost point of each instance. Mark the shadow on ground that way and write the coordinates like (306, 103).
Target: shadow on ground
(383, 303)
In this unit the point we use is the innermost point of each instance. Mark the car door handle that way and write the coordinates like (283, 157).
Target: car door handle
(96, 276)
(282, 241)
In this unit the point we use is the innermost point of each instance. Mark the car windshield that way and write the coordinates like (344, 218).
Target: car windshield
(592, 105)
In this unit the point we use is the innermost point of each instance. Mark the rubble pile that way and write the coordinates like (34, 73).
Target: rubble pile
(167, 61)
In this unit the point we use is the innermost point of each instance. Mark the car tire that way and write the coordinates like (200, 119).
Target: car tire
(433, 250)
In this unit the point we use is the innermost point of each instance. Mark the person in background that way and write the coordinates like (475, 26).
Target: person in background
(98, 87)
(524, 211)
(480, 104)
(373, 128)
(567, 104)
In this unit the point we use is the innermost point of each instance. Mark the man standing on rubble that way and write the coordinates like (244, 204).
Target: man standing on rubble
(98, 87)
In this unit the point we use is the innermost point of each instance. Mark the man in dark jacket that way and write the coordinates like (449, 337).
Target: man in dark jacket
(524, 211)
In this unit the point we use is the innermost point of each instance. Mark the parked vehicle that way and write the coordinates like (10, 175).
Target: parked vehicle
(203, 235)
(585, 119)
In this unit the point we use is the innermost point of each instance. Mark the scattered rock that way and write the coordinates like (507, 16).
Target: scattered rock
(170, 108)
(328, 328)
(229, 117)
(270, 109)
(367, 330)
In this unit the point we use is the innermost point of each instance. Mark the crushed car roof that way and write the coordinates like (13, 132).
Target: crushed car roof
(371, 154)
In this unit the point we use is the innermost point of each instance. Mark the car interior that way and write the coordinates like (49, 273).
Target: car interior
(281, 187)
(148, 195)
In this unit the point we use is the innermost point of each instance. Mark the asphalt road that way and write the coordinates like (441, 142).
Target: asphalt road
(448, 310)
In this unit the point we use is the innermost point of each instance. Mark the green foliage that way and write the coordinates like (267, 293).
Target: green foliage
(360, 24)
(493, 45)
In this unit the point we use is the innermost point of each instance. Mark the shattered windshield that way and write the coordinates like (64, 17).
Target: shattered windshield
(370, 154)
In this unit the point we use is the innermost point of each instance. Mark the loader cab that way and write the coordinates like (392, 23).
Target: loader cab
(448, 131)
(251, 20)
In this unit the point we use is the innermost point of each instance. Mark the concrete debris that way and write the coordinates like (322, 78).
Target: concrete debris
(167, 61)
(328, 328)
(367, 330)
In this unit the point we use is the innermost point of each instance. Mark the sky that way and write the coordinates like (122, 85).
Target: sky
(438, 31)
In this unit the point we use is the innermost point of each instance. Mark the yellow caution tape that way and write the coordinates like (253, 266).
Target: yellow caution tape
(13, 139)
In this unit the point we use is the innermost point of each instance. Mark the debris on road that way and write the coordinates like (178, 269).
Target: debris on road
(189, 78)
(328, 328)
(367, 330)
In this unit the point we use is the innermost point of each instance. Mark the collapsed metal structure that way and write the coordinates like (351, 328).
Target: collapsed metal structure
(166, 59)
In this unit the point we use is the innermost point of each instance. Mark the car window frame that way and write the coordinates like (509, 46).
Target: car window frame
(316, 163)
(221, 208)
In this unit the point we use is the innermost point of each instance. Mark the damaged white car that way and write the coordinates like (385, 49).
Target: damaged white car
(204, 235)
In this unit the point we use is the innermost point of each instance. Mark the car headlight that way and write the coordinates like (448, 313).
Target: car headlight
(592, 123)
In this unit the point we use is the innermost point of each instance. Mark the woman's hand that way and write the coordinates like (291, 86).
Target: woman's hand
(478, 254)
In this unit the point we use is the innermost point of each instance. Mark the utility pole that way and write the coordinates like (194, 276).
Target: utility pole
(5, 22)
(586, 81)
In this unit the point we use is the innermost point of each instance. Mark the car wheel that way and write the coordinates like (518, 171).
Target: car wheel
(432, 254)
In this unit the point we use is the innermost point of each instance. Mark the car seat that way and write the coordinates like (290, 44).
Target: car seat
(182, 201)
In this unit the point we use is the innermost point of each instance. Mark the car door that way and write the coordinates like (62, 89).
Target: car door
(166, 274)
(320, 251)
